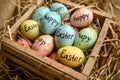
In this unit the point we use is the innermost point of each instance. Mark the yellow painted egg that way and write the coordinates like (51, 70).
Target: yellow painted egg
(30, 29)
(70, 56)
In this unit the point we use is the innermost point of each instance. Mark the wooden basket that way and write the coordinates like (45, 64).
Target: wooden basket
(44, 66)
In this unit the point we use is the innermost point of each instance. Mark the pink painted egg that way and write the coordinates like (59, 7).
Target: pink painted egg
(44, 45)
(23, 42)
(81, 17)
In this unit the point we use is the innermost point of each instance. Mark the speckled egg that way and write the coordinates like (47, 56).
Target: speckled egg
(81, 17)
(64, 36)
(86, 38)
(50, 22)
(23, 42)
(30, 29)
(40, 13)
(43, 45)
(61, 9)
(70, 56)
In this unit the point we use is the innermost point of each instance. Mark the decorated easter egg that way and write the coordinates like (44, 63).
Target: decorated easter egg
(81, 17)
(43, 45)
(70, 56)
(64, 36)
(61, 9)
(40, 13)
(50, 22)
(53, 56)
(30, 29)
(23, 42)
(86, 38)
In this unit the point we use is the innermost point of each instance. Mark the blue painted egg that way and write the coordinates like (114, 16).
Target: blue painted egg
(61, 9)
(64, 36)
(86, 38)
(50, 22)
(40, 13)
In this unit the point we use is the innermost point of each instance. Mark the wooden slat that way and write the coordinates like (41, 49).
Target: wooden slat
(46, 65)
(91, 61)
(26, 66)
(29, 56)
(100, 13)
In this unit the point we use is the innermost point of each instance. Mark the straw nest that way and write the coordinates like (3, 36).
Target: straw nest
(107, 66)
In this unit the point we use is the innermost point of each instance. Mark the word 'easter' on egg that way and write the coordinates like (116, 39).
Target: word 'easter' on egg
(81, 17)
(71, 57)
(30, 27)
(41, 41)
(64, 35)
(84, 38)
(51, 20)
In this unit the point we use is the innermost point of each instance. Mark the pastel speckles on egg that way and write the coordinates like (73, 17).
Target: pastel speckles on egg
(64, 36)
(70, 56)
(50, 22)
(40, 13)
(81, 18)
(86, 38)
(43, 45)
(61, 9)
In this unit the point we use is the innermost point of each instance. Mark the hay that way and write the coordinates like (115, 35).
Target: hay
(107, 66)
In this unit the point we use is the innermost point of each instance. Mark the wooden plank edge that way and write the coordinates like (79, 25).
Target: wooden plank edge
(28, 54)
(93, 56)
(26, 66)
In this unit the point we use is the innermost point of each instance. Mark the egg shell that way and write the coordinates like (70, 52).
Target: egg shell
(23, 42)
(82, 17)
(86, 38)
(30, 29)
(40, 12)
(70, 56)
(44, 45)
(64, 36)
(61, 9)
(50, 22)
(53, 56)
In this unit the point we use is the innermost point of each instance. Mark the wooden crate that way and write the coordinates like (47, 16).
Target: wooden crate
(44, 66)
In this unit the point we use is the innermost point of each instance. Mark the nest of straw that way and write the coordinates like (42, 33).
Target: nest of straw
(107, 66)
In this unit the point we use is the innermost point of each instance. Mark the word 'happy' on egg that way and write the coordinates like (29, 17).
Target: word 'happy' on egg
(81, 18)
(86, 38)
(50, 22)
(61, 9)
(40, 13)
(43, 45)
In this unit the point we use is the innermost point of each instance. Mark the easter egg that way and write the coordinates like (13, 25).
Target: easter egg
(86, 38)
(53, 56)
(70, 56)
(50, 22)
(64, 36)
(40, 13)
(30, 29)
(23, 42)
(81, 17)
(61, 9)
(43, 45)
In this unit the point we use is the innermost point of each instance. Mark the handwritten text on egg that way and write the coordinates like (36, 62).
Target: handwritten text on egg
(81, 17)
(70, 57)
(64, 35)
(84, 37)
(51, 20)
(59, 9)
(30, 27)
(41, 41)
